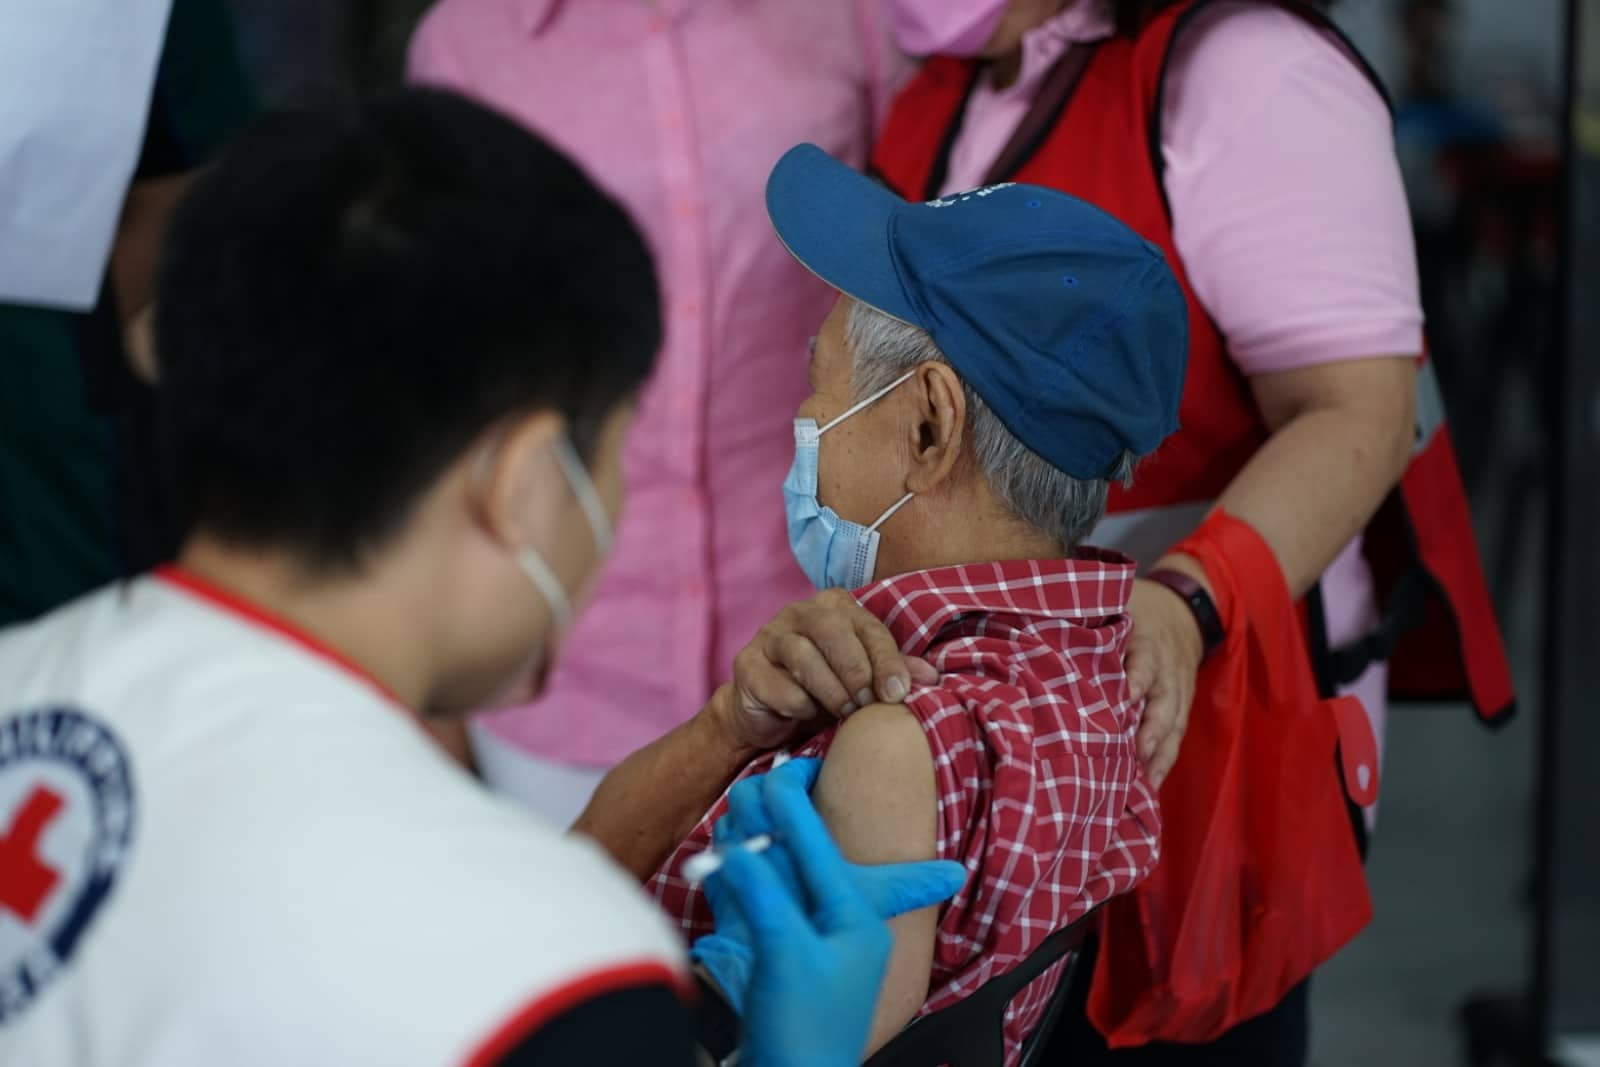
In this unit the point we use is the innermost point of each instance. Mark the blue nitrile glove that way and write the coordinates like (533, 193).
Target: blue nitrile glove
(891, 890)
(819, 948)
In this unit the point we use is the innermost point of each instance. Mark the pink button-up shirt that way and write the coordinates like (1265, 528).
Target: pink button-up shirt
(680, 108)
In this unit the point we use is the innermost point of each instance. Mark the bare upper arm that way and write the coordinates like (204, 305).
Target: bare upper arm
(878, 797)
(1381, 390)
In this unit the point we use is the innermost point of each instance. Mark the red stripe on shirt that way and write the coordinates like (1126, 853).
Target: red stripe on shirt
(233, 604)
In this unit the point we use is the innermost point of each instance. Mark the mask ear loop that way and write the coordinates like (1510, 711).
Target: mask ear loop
(887, 515)
(588, 496)
(531, 562)
(555, 595)
(869, 401)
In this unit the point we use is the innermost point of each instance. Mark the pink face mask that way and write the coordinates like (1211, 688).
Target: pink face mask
(945, 27)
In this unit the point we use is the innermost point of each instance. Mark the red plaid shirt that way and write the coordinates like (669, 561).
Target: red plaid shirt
(1031, 729)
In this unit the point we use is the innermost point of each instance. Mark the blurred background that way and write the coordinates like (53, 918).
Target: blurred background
(1484, 865)
(1486, 861)
(1442, 974)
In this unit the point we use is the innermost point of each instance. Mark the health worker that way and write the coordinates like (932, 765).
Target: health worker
(1251, 143)
(399, 345)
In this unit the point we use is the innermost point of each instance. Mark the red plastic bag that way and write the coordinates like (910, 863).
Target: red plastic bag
(1260, 880)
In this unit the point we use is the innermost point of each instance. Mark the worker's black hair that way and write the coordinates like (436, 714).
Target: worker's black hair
(1131, 14)
(354, 293)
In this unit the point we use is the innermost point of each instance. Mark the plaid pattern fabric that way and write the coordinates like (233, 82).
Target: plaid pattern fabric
(1041, 794)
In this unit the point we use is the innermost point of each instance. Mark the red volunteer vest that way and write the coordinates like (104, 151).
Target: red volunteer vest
(1105, 148)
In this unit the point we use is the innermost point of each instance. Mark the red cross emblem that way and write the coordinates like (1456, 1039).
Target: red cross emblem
(26, 881)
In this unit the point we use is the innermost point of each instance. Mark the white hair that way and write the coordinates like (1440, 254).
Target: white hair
(1056, 504)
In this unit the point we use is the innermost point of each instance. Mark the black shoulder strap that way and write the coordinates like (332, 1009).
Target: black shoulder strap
(1049, 105)
(941, 158)
(1044, 114)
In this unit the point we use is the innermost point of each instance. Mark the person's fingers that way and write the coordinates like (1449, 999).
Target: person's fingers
(771, 687)
(1140, 668)
(891, 676)
(823, 872)
(729, 964)
(817, 672)
(748, 815)
(832, 630)
(1160, 709)
(830, 613)
(802, 772)
(922, 672)
(723, 914)
(1154, 728)
(1166, 756)
(716, 945)
(783, 865)
(725, 832)
(1165, 759)
(770, 911)
(897, 888)
(747, 810)
(1156, 725)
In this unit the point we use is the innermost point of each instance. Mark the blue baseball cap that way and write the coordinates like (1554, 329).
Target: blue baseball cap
(1069, 325)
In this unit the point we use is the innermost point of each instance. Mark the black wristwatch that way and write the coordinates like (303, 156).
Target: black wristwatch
(1200, 604)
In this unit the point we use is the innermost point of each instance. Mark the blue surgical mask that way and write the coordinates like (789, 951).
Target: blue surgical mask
(833, 552)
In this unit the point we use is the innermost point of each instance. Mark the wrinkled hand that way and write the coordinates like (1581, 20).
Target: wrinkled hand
(890, 890)
(1163, 660)
(818, 947)
(823, 657)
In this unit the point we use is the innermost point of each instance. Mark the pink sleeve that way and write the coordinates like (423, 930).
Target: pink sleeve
(431, 57)
(1287, 203)
(888, 68)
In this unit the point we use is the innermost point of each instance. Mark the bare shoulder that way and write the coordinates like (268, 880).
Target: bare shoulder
(878, 797)
(876, 791)
(882, 730)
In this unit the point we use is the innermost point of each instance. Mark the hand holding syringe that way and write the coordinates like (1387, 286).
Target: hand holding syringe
(800, 931)
(698, 868)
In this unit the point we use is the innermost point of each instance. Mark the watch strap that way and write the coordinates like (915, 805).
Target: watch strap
(1204, 609)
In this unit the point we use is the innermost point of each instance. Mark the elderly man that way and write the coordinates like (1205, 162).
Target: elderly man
(995, 361)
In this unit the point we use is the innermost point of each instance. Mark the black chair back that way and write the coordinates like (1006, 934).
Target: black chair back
(971, 1033)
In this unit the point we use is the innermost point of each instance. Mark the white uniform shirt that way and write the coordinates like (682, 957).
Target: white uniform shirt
(221, 845)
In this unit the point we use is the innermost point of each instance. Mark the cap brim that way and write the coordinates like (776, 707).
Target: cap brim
(836, 222)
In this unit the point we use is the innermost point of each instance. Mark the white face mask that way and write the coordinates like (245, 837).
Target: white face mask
(533, 564)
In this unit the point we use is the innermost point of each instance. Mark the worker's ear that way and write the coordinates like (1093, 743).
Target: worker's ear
(517, 481)
(938, 430)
